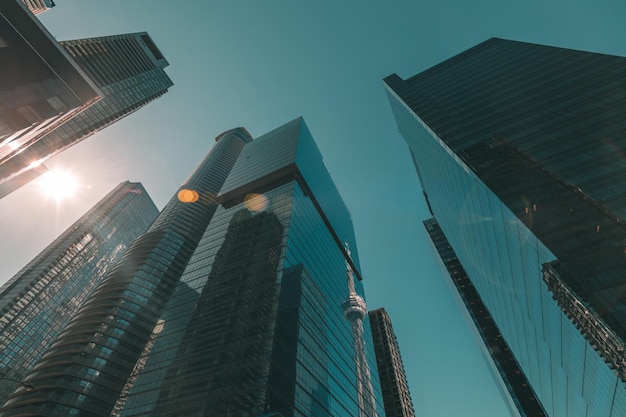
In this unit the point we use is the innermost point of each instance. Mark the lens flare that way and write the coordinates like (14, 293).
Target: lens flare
(58, 184)
(255, 202)
(188, 196)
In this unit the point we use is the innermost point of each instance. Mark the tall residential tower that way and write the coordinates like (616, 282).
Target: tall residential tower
(231, 304)
(37, 303)
(519, 149)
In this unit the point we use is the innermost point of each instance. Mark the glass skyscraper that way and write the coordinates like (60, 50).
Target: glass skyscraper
(512, 383)
(37, 303)
(58, 94)
(41, 87)
(244, 298)
(519, 149)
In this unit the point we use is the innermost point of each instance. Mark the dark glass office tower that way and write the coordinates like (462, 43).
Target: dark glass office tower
(127, 71)
(258, 321)
(512, 383)
(252, 323)
(37, 303)
(393, 383)
(519, 149)
(41, 87)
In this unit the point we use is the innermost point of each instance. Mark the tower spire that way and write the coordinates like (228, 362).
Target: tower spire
(354, 310)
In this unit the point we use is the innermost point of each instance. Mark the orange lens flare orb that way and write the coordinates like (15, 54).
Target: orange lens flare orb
(188, 196)
(255, 202)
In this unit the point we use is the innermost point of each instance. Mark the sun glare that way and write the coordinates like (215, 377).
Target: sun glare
(59, 185)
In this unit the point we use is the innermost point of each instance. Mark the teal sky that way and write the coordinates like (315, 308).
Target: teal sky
(260, 64)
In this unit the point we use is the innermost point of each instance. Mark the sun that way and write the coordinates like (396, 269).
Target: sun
(58, 184)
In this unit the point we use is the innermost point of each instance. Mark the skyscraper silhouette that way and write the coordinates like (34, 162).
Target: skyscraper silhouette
(231, 303)
(519, 149)
(393, 383)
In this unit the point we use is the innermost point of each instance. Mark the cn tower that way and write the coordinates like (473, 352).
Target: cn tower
(354, 310)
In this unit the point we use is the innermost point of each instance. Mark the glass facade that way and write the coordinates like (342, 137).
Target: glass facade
(232, 304)
(38, 302)
(513, 385)
(41, 89)
(128, 71)
(516, 149)
(256, 323)
(87, 367)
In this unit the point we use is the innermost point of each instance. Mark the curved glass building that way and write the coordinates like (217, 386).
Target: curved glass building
(87, 366)
(232, 304)
(39, 301)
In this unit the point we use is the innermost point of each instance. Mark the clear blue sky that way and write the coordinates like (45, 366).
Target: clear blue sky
(261, 63)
